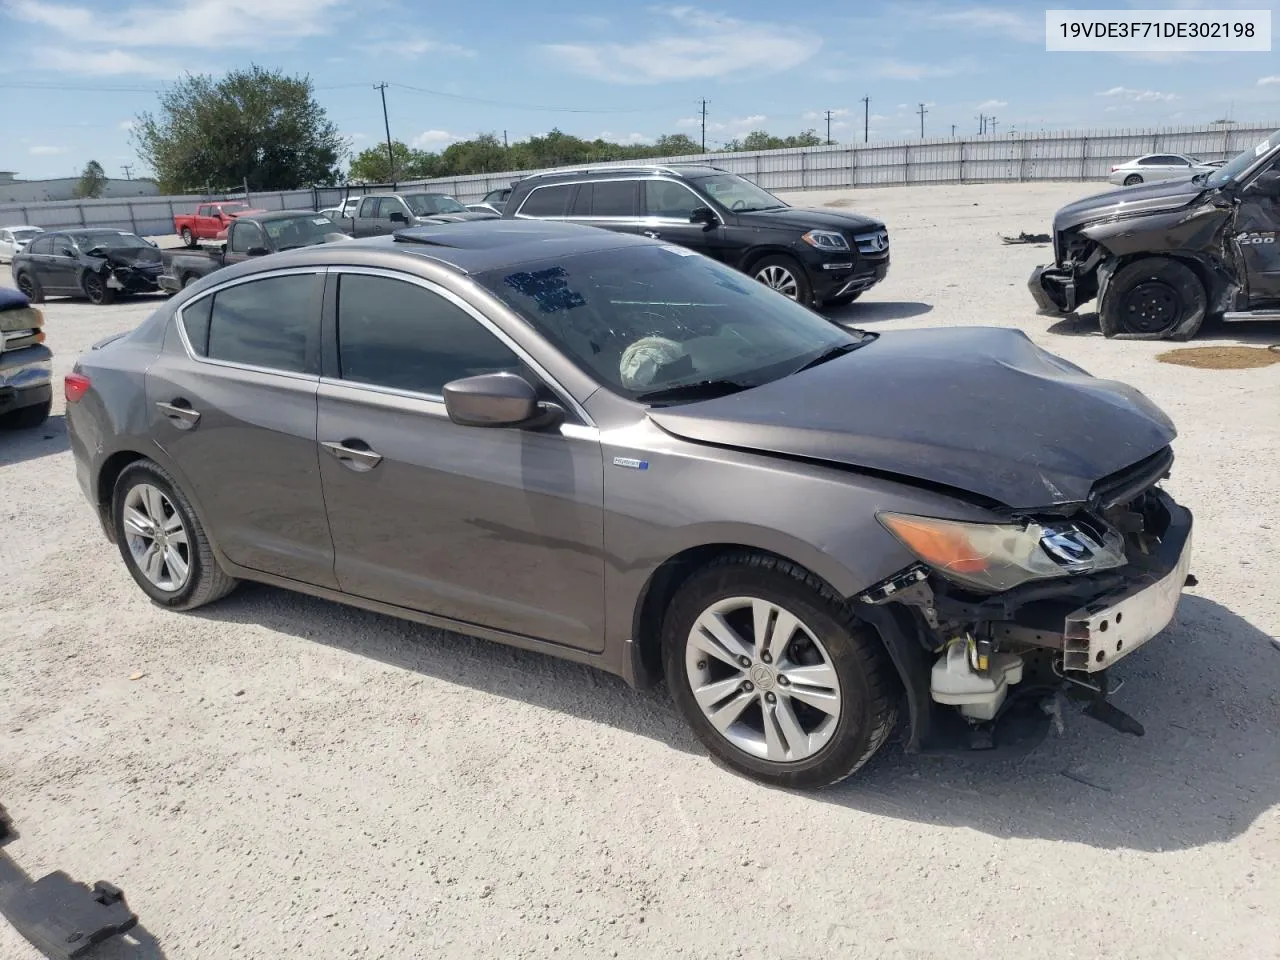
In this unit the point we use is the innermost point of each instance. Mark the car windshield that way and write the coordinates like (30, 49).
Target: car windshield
(301, 231)
(24, 233)
(108, 241)
(738, 194)
(1242, 161)
(428, 204)
(232, 207)
(644, 320)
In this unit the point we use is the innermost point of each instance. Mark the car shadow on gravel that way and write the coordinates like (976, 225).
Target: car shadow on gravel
(1208, 693)
(875, 311)
(46, 440)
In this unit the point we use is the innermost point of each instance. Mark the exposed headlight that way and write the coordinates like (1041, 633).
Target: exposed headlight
(995, 556)
(826, 240)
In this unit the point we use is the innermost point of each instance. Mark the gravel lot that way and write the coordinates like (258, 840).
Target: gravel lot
(291, 778)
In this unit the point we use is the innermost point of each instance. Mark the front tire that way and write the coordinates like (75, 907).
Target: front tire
(786, 276)
(1155, 298)
(162, 542)
(96, 289)
(775, 675)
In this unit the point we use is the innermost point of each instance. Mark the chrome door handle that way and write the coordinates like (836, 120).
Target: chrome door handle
(356, 459)
(652, 234)
(182, 416)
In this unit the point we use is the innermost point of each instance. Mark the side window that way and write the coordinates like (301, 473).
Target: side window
(614, 198)
(396, 334)
(581, 203)
(195, 321)
(369, 207)
(245, 236)
(546, 201)
(272, 323)
(663, 198)
(41, 245)
(203, 211)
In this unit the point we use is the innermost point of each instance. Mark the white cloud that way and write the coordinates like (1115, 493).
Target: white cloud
(411, 48)
(105, 63)
(1268, 81)
(893, 69)
(991, 104)
(733, 127)
(359, 136)
(208, 24)
(991, 20)
(434, 139)
(624, 137)
(697, 46)
(40, 151)
(127, 125)
(1139, 96)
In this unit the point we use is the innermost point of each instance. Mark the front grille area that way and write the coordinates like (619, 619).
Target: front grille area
(873, 245)
(1127, 484)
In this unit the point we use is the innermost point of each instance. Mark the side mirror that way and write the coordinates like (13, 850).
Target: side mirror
(398, 216)
(491, 400)
(257, 251)
(70, 251)
(702, 215)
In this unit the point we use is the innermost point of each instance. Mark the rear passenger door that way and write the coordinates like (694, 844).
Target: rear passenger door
(232, 400)
(610, 204)
(497, 527)
(368, 222)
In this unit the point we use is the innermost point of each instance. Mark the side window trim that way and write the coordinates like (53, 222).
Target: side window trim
(192, 355)
(565, 397)
(520, 215)
(702, 202)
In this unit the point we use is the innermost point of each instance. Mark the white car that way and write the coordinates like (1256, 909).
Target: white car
(1157, 166)
(14, 240)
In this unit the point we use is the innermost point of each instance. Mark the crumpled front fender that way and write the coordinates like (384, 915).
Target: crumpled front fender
(1053, 289)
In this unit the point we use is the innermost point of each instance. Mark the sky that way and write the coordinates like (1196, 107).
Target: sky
(75, 75)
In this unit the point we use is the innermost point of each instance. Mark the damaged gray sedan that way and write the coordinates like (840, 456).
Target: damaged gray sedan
(616, 451)
(1161, 258)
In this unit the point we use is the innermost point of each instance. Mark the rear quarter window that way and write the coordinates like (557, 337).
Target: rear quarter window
(272, 323)
(549, 201)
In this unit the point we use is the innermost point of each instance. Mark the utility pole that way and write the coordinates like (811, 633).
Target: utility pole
(128, 170)
(866, 118)
(922, 111)
(704, 125)
(993, 126)
(391, 157)
(953, 131)
(505, 145)
(982, 124)
(828, 128)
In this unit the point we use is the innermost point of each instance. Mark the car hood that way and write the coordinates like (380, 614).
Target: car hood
(809, 219)
(457, 217)
(982, 410)
(1155, 197)
(143, 257)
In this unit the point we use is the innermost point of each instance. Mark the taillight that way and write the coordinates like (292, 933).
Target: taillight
(1114, 169)
(75, 386)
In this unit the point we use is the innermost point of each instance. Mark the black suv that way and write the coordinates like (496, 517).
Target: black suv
(812, 256)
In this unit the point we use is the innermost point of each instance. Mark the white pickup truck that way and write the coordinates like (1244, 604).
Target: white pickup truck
(26, 365)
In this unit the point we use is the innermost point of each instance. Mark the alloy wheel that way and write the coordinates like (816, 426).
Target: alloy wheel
(157, 538)
(95, 288)
(763, 679)
(781, 279)
(26, 287)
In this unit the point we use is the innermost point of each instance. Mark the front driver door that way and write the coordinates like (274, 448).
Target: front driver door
(1257, 236)
(502, 528)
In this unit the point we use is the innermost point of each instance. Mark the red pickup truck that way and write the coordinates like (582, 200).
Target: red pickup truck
(209, 222)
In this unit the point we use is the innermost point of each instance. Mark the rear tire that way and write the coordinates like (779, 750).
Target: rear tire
(803, 710)
(188, 238)
(1132, 180)
(26, 418)
(176, 569)
(1155, 298)
(785, 275)
(29, 287)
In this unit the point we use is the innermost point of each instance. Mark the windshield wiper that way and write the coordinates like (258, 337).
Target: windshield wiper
(837, 351)
(701, 390)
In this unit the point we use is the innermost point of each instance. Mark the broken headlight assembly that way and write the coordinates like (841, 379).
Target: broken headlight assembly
(993, 557)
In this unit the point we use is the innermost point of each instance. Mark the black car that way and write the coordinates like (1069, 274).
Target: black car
(1162, 257)
(97, 264)
(811, 256)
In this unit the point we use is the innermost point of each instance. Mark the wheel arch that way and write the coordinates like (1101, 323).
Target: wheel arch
(755, 254)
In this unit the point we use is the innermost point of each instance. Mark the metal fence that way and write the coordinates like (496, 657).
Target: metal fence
(1077, 155)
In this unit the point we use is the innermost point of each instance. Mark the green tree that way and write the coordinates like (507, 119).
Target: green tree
(675, 145)
(371, 165)
(92, 180)
(257, 126)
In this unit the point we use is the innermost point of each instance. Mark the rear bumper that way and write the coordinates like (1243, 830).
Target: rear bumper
(26, 378)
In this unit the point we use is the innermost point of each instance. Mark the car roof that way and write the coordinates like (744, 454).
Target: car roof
(691, 171)
(282, 215)
(475, 246)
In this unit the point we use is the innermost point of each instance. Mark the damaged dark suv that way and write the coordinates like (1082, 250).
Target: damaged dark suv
(96, 264)
(1163, 257)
